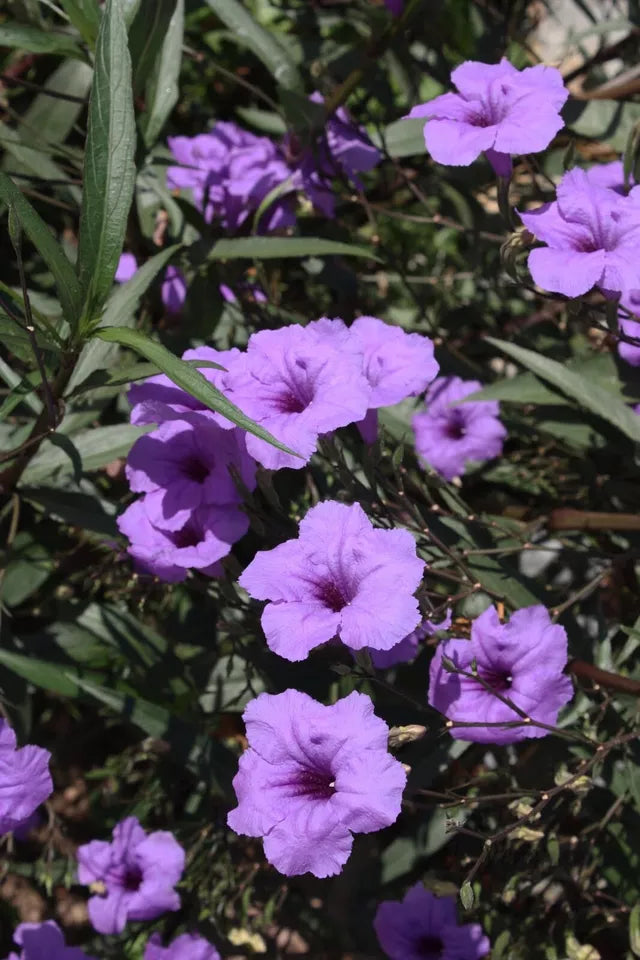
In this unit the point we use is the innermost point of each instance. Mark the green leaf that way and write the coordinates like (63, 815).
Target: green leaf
(85, 16)
(264, 120)
(28, 565)
(523, 388)
(266, 47)
(146, 35)
(38, 232)
(402, 138)
(466, 895)
(162, 90)
(584, 391)
(272, 248)
(20, 36)
(125, 298)
(57, 677)
(109, 170)
(96, 447)
(634, 930)
(75, 508)
(37, 161)
(49, 120)
(608, 121)
(187, 377)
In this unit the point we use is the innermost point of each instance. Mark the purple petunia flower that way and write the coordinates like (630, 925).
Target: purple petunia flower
(425, 927)
(25, 778)
(138, 871)
(298, 388)
(592, 235)
(158, 398)
(189, 946)
(184, 465)
(450, 433)
(340, 578)
(127, 268)
(44, 941)
(205, 538)
(631, 328)
(312, 777)
(408, 648)
(522, 660)
(498, 110)
(230, 172)
(609, 175)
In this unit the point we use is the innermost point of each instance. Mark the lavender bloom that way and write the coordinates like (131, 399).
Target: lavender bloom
(297, 388)
(498, 109)
(206, 537)
(408, 648)
(610, 175)
(184, 465)
(127, 268)
(173, 290)
(138, 871)
(449, 433)
(158, 398)
(395, 7)
(44, 941)
(592, 236)
(341, 577)
(522, 660)
(189, 946)
(25, 778)
(425, 927)
(251, 290)
(230, 172)
(312, 777)
(631, 328)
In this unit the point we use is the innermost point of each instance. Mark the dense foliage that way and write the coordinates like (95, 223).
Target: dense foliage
(317, 616)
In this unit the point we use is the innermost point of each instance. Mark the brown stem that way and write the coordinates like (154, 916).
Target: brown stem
(604, 678)
(568, 519)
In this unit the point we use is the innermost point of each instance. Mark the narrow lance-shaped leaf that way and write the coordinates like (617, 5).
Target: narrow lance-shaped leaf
(161, 92)
(273, 248)
(190, 379)
(85, 16)
(582, 389)
(21, 36)
(265, 46)
(51, 252)
(109, 171)
(146, 36)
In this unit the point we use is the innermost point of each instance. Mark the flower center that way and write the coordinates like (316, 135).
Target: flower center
(430, 948)
(189, 536)
(333, 595)
(296, 393)
(133, 879)
(496, 679)
(456, 428)
(194, 469)
(316, 784)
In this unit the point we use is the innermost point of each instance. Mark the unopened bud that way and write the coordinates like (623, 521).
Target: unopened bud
(399, 736)
(448, 665)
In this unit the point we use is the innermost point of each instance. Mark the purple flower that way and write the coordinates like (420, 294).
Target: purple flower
(425, 927)
(592, 236)
(298, 388)
(250, 290)
(449, 434)
(498, 109)
(340, 578)
(189, 946)
(395, 7)
(173, 290)
(522, 660)
(25, 778)
(408, 648)
(631, 328)
(138, 871)
(158, 398)
(206, 537)
(44, 941)
(230, 172)
(312, 777)
(610, 175)
(127, 268)
(184, 465)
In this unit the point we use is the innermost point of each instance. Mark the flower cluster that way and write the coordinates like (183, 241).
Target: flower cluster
(312, 777)
(425, 927)
(498, 110)
(137, 873)
(340, 578)
(231, 171)
(450, 433)
(493, 686)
